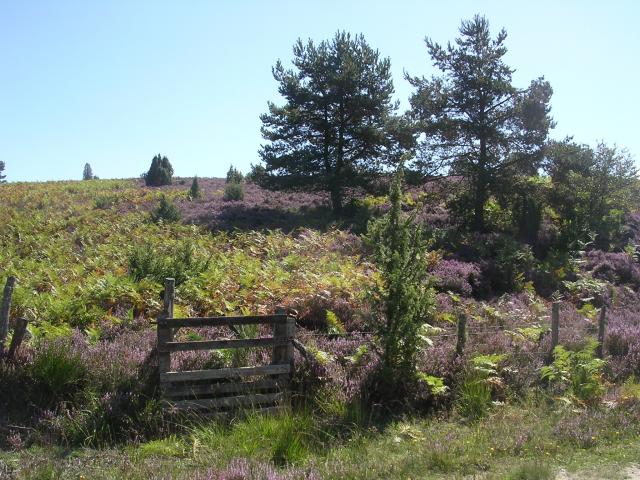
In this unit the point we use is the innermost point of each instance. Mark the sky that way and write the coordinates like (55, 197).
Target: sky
(112, 83)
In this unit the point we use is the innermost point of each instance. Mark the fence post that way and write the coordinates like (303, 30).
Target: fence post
(601, 329)
(169, 297)
(165, 334)
(284, 354)
(291, 335)
(280, 332)
(555, 327)
(462, 333)
(4, 312)
(18, 334)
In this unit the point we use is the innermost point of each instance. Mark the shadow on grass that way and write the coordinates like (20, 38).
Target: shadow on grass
(241, 217)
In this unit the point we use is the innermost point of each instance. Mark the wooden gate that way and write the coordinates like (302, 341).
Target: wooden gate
(264, 387)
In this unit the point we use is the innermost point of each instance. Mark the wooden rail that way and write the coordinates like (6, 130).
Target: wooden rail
(265, 387)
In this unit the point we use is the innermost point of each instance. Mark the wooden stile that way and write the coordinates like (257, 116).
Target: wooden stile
(265, 387)
(218, 344)
(208, 389)
(224, 373)
(239, 401)
(222, 321)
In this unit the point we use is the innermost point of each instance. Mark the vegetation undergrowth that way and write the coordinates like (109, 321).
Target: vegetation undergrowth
(530, 439)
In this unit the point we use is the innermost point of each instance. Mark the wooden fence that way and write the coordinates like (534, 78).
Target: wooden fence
(265, 387)
(20, 324)
(554, 330)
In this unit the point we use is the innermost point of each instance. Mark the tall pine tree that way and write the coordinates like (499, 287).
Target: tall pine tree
(330, 134)
(2, 177)
(474, 122)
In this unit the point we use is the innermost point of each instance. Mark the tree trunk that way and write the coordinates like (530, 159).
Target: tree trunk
(337, 181)
(336, 198)
(480, 198)
(481, 189)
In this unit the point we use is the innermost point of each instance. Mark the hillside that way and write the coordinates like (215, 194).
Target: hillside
(90, 265)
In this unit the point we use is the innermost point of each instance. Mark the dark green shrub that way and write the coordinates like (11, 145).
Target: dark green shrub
(160, 172)
(57, 371)
(359, 211)
(165, 212)
(528, 206)
(234, 191)
(402, 298)
(509, 263)
(234, 175)
(194, 191)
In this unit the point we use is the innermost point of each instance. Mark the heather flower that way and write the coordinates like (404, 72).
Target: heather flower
(456, 276)
(616, 268)
(15, 441)
(243, 469)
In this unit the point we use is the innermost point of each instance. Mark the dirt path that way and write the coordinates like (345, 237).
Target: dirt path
(631, 472)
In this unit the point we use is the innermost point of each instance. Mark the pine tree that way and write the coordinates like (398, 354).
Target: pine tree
(475, 123)
(160, 172)
(87, 173)
(331, 132)
(2, 177)
(402, 297)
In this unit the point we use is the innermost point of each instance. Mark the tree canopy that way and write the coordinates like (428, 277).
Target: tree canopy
(472, 121)
(592, 190)
(234, 175)
(2, 177)
(330, 133)
(87, 173)
(160, 172)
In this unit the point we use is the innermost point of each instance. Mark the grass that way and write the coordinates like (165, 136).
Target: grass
(532, 471)
(513, 442)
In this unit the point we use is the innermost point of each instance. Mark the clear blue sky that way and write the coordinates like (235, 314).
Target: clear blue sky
(114, 82)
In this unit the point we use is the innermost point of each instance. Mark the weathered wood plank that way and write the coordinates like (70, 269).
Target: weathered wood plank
(224, 373)
(278, 409)
(179, 390)
(264, 409)
(221, 321)
(241, 400)
(555, 329)
(164, 334)
(18, 335)
(218, 344)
